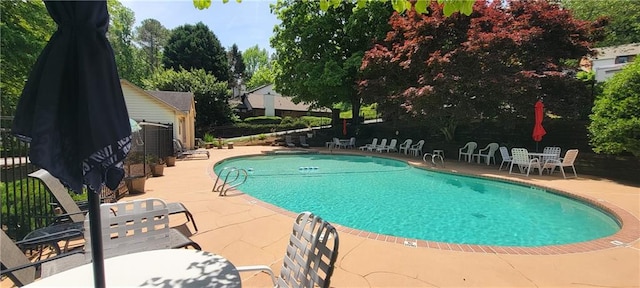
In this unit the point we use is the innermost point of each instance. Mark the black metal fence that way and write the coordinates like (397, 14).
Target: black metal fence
(25, 203)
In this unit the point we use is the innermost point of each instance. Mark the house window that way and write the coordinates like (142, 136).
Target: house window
(622, 59)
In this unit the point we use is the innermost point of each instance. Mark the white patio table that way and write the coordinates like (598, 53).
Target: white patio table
(156, 268)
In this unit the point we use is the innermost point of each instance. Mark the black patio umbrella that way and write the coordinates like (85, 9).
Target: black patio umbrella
(72, 111)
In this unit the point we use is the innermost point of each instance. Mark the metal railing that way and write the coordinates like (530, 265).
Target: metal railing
(25, 203)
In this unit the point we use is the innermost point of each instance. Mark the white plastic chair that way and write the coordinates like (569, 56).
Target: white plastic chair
(372, 144)
(383, 143)
(416, 149)
(506, 158)
(138, 225)
(352, 143)
(551, 150)
(404, 147)
(567, 161)
(289, 141)
(467, 151)
(520, 157)
(310, 255)
(388, 148)
(488, 153)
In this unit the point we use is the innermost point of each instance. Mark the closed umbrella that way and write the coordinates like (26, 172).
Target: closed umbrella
(72, 110)
(344, 127)
(538, 130)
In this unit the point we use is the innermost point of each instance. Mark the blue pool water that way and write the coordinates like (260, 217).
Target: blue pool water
(393, 198)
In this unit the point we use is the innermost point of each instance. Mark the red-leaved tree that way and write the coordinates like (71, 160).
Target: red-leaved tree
(490, 65)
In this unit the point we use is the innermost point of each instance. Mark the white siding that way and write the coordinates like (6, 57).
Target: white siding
(142, 107)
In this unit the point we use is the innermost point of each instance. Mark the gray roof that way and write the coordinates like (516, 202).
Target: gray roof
(179, 100)
(620, 50)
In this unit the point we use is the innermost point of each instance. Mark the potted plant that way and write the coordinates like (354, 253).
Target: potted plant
(156, 164)
(208, 140)
(134, 171)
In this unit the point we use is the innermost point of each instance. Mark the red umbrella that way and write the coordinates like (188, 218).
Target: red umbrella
(538, 130)
(344, 127)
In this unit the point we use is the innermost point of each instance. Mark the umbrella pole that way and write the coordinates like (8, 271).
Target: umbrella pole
(96, 239)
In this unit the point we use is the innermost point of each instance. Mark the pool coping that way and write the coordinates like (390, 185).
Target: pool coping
(629, 231)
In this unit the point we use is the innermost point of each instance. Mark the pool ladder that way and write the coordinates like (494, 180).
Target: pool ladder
(235, 182)
(434, 157)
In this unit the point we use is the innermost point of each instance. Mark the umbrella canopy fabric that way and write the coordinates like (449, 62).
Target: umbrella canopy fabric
(72, 109)
(344, 127)
(538, 130)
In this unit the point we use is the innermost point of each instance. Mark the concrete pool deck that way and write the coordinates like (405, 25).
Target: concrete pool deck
(248, 232)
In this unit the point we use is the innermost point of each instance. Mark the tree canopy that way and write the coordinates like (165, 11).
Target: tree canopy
(319, 53)
(491, 65)
(615, 126)
(621, 19)
(211, 95)
(152, 38)
(26, 28)
(236, 67)
(120, 35)
(196, 47)
(400, 6)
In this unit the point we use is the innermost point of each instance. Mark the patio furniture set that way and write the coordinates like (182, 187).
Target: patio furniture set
(136, 234)
(526, 161)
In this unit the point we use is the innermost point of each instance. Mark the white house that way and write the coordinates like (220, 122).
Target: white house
(177, 108)
(610, 60)
(264, 101)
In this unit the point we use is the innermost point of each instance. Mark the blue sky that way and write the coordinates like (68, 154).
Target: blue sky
(245, 24)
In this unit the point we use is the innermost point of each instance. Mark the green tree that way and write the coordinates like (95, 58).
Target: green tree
(152, 38)
(196, 47)
(263, 76)
(236, 67)
(319, 53)
(615, 122)
(120, 36)
(400, 6)
(621, 16)
(458, 69)
(25, 27)
(254, 59)
(211, 95)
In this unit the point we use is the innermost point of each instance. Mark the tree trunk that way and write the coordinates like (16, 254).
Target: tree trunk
(355, 111)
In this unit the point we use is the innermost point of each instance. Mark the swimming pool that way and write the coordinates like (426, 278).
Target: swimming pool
(390, 197)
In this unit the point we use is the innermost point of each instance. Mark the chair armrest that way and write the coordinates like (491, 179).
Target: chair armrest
(263, 268)
(39, 262)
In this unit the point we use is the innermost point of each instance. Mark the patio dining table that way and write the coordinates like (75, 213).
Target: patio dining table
(155, 268)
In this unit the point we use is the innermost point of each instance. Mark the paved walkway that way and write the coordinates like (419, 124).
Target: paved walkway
(248, 232)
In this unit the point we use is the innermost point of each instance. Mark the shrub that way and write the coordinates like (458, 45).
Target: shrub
(263, 120)
(615, 121)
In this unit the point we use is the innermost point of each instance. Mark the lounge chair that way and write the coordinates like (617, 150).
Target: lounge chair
(21, 271)
(182, 152)
(506, 158)
(404, 147)
(372, 144)
(567, 161)
(303, 142)
(520, 157)
(310, 255)
(388, 148)
(488, 153)
(383, 143)
(66, 227)
(77, 215)
(467, 151)
(416, 149)
(289, 141)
